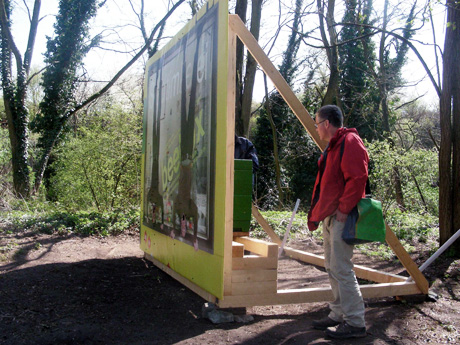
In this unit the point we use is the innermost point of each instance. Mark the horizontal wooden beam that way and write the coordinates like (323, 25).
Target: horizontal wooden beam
(295, 296)
(240, 233)
(281, 297)
(250, 262)
(252, 288)
(260, 247)
(303, 256)
(390, 290)
(247, 276)
(377, 276)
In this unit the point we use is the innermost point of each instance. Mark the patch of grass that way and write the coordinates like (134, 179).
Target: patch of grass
(378, 250)
(411, 226)
(6, 249)
(279, 221)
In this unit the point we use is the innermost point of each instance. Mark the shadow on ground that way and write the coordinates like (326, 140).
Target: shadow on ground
(129, 301)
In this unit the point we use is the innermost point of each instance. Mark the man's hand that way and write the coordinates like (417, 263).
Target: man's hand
(341, 217)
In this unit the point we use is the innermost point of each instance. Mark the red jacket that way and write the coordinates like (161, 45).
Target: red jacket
(344, 180)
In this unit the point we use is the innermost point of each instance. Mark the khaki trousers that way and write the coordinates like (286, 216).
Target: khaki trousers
(348, 302)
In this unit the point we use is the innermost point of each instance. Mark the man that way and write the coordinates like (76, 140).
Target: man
(339, 186)
(244, 149)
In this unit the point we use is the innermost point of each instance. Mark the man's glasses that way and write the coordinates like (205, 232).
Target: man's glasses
(317, 124)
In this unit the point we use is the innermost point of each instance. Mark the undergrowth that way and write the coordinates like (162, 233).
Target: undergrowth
(79, 222)
(412, 229)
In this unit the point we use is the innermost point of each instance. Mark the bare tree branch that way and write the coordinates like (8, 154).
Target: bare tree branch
(32, 35)
(128, 65)
(27, 8)
(6, 30)
(399, 37)
(410, 44)
(35, 74)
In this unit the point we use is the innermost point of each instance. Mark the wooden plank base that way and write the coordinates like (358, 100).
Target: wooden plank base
(311, 295)
(259, 275)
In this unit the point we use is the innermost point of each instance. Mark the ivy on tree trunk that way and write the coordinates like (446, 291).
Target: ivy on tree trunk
(64, 55)
(14, 93)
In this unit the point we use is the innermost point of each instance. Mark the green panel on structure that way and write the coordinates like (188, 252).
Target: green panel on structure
(242, 207)
(242, 197)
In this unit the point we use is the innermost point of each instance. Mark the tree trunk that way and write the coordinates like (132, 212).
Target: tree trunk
(14, 93)
(275, 146)
(332, 92)
(383, 73)
(383, 92)
(399, 195)
(250, 75)
(449, 153)
(240, 10)
(18, 134)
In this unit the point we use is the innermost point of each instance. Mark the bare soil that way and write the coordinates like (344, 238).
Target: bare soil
(88, 290)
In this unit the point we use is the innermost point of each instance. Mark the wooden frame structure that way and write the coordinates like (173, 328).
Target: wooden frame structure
(251, 280)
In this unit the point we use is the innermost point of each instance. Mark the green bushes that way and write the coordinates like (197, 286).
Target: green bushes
(93, 182)
(100, 167)
(80, 222)
(418, 173)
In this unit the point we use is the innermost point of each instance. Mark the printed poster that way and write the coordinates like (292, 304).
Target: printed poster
(179, 118)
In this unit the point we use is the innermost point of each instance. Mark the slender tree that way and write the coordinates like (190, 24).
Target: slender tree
(357, 58)
(449, 154)
(64, 55)
(245, 72)
(329, 37)
(276, 126)
(241, 9)
(389, 78)
(247, 88)
(14, 93)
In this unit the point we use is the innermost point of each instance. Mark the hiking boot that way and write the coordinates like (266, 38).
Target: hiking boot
(344, 330)
(324, 323)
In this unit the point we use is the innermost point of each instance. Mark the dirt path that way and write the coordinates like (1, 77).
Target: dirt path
(72, 290)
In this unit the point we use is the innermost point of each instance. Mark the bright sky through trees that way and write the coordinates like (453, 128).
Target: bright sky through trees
(118, 24)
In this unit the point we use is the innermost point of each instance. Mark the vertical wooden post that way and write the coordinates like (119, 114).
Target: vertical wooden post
(230, 161)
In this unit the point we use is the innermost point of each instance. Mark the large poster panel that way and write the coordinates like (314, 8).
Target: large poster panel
(180, 153)
(182, 90)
